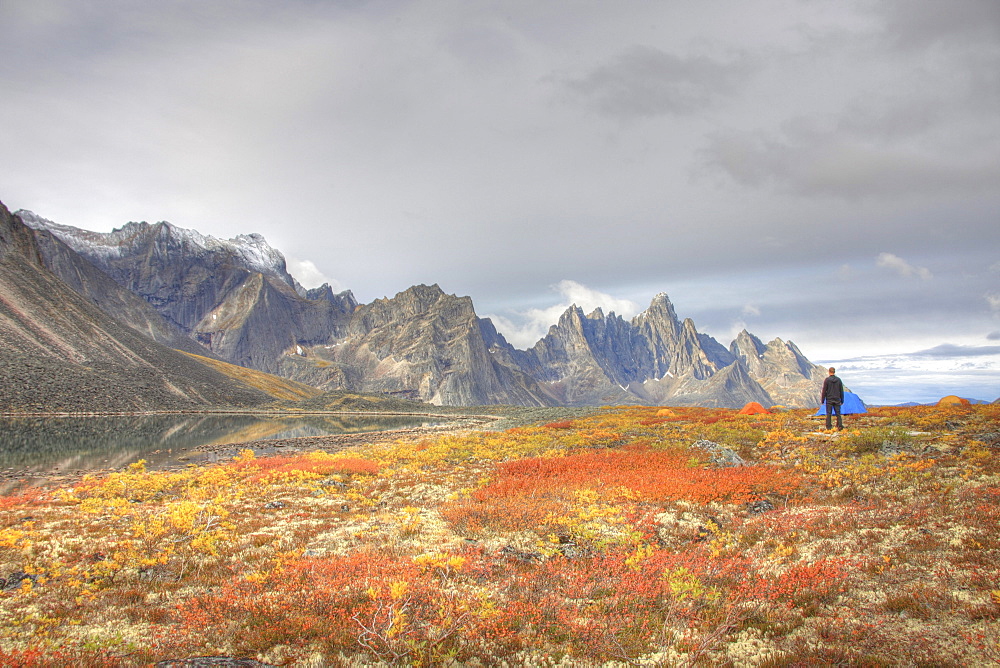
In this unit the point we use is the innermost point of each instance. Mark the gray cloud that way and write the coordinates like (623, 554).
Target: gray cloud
(644, 82)
(919, 24)
(807, 159)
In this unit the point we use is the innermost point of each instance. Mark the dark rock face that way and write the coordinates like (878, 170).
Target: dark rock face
(181, 273)
(63, 353)
(236, 299)
(125, 306)
(261, 321)
(590, 359)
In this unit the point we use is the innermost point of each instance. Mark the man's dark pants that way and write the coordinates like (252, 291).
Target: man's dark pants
(833, 407)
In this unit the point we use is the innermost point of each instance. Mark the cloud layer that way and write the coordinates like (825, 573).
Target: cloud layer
(815, 170)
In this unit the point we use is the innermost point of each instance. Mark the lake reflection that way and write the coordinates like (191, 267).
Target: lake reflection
(66, 444)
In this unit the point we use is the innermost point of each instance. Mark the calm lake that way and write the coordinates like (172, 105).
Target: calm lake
(68, 444)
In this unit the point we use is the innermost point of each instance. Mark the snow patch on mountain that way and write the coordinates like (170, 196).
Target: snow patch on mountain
(253, 250)
(82, 241)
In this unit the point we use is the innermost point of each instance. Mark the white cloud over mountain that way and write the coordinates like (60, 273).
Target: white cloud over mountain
(902, 267)
(308, 274)
(523, 329)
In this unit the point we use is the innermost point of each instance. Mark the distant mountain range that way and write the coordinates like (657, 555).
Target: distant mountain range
(234, 300)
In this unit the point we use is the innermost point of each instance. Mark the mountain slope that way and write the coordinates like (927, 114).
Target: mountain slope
(62, 353)
(275, 386)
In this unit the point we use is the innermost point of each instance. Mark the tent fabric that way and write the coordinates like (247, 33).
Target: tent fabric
(752, 408)
(851, 406)
(952, 400)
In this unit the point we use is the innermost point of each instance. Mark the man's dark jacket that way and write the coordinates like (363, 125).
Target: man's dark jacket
(833, 390)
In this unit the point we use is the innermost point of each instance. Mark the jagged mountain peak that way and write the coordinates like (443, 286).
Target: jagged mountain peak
(572, 314)
(421, 296)
(256, 254)
(747, 345)
(781, 368)
(787, 355)
(415, 302)
(794, 348)
(660, 298)
(433, 290)
(661, 302)
(659, 314)
(325, 293)
(744, 334)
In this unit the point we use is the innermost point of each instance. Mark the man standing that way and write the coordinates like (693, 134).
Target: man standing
(833, 396)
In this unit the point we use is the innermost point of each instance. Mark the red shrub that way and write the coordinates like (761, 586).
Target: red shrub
(27, 497)
(42, 658)
(323, 466)
(659, 475)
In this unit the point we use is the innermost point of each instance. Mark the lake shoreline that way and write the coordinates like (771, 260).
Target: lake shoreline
(14, 481)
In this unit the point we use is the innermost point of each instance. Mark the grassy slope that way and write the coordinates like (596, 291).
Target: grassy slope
(598, 539)
(276, 386)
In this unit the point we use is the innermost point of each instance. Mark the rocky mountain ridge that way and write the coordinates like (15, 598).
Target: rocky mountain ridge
(236, 299)
(61, 352)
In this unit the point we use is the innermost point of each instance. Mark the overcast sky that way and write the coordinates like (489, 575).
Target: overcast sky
(821, 171)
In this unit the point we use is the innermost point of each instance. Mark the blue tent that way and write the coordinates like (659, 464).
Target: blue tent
(852, 404)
